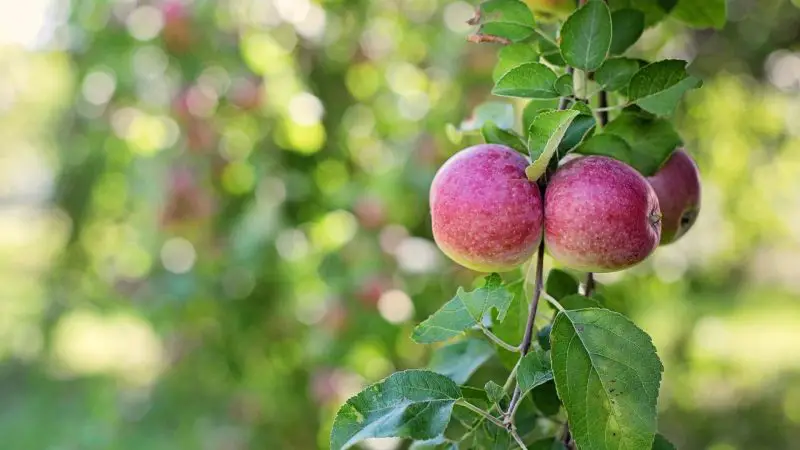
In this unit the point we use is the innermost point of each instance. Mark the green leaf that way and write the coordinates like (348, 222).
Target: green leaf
(547, 444)
(608, 145)
(658, 87)
(627, 26)
(586, 36)
(607, 374)
(499, 113)
(650, 139)
(512, 56)
(581, 127)
(701, 14)
(654, 11)
(529, 80)
(493, 134)
(534, 371)
(513, 327)
(438, 443)
(563, 85)
(489, 436)
(544, 134)
(461, 359)
(494, 392)
(414, 404)
(507, 19)
(463, 311)
(578, 301)
(667, 5)
(533, 108)
(560, 284)
(616, 73)
(661, 443)
(546, 399)
(551, 53)
(543, 337)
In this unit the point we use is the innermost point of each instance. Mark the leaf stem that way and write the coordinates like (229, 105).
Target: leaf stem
(496, 339)
(553, 302)
(481, 413)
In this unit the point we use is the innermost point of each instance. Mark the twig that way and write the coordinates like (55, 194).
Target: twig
(481, 38)
(517, 438)
(496, 339)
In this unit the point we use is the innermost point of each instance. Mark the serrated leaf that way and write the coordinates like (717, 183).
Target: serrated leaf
(512, 56)
(704, 14)
(650, 139)
(616, 73)
(492, 134)
(529, 80)
(607, 374)
(459, 360)
(534, 371)
(499, 113)
(586, 36)
(563, 85)
(494, 392)
(414, 404)
(578, 301)
(661, 443)
(513, 327)
(544, 134)
(507, 19)
(465, 310)
(560, 284)
(627, 26)
(658, 87)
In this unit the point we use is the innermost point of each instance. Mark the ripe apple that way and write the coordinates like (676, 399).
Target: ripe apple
(487, 216)
(677, 185)
(600, 215)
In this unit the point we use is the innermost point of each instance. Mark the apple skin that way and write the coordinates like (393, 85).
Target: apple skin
(677, 185)
(600, 215)
(486, 214)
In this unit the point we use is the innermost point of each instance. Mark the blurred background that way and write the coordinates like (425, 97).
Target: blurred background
(214, 224)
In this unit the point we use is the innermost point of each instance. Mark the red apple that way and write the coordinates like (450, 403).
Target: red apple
(600, 215)
(486, 215)
(677, 185)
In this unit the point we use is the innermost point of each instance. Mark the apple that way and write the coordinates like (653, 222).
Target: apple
(486, 214)
(677, 185)
(600, 215)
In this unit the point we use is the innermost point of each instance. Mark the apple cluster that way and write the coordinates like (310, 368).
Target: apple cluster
(596, 214)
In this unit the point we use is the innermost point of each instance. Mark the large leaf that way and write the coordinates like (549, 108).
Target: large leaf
(701, 14)
(461, 359)
(627, 25)
(529, 80)
(493, 134)
(616, 73)
(512, 56)
(607, 374)
(661, 443)
(544, 134)
(465, 310)
(534, 371)
(651, 140)
(414, 404)
(586, 36)
(506, 19)
(499, 113)
(658, 87)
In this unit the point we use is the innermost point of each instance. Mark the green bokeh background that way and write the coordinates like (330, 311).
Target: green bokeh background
(214, 222)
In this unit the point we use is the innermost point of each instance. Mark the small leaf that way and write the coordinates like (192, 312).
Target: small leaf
(661, 443)
(494, 392)
(607, 374)
(658, 87)
(506, 19)
(500, 113)
(534, 371)
(578, 301)
(704, 14)
(493, 134)
(560, 284)
(530, 80)
(544, 134)
(465, 310)
(627, 26)
(512, 56)
(563, 85)
(616, 73)
(650, 139)
(586, 36)
(414, 404)
(461, 359)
